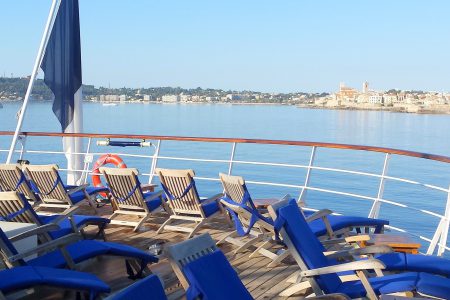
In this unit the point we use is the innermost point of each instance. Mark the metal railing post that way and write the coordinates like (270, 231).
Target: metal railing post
(301, 199)
(23, 141)
(87, 161)
(445, 226)
(154, 162)
(233, 151)
(375, 210)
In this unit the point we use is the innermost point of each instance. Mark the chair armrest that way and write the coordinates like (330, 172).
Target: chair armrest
(370, 250)
(47, 247)
(213, 198)
(319, 214)
(77, 188)
(153, 196)
(368, 264)
(64, 215)
(34, 231)
(357, 238)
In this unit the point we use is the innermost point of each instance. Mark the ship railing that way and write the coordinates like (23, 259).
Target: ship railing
(437, 243)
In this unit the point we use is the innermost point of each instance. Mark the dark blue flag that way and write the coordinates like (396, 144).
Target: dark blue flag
(62, 61)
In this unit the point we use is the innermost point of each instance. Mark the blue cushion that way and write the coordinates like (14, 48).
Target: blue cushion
(77, 197)
(27, 276)
(149, 288)
(210, 208)
(416, 263)
(86, 249)
(433, 285)
(66, 226)
(152, 204)
(212, 277)
(306, 243)
(381, 285)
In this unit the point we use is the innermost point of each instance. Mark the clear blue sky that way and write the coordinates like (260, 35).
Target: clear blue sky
(275, 46)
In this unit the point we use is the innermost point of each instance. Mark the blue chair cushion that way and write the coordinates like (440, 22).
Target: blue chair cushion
(86, 249)
(152, 204)
(210, 208)
(66, 226)
(27, 276)
(212, 277)
(91, 190)
(149, 288)
(381, 285)
(433, 285)
(416, 263)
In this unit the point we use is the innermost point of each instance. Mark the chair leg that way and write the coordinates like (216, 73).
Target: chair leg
(279, 258)
(249, 243)
(163, 225)
(196, 228)
(141, 222)
(266, 245)
(295, 289)
(226, 236)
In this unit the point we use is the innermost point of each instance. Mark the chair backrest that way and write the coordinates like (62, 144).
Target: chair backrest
(149, 288)
(15, 208)
(13, 179)
(302, 242)
(187, 251)
(48, 184)
(180, 190)
(234, 187)
(125, 187)
(7, 250)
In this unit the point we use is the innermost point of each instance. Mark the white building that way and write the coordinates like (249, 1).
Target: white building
(233, 97)
(123, 98)
(376, 99)
(148, 98)
(170, 98)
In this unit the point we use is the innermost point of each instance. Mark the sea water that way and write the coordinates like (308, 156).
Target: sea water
(417, 132)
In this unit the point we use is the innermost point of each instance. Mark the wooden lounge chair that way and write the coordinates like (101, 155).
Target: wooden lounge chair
(321, 274)
(184, 201)
(205, 273)
(323, 222)
(53, 193)
(12, 178)
(128, 198)
(70, 251)
(251, 228)
(15, 208)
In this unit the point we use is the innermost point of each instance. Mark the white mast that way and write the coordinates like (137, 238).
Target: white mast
(48, 26)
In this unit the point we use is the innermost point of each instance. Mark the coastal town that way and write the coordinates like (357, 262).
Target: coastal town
(13, 89)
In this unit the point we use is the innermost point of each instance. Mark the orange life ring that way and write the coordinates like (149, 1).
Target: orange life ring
(104, 160)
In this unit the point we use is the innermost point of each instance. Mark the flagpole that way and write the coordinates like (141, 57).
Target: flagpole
(37, 63)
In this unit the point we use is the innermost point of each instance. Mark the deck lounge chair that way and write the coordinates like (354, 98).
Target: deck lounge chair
(47, 183)
(149, 288)
(128, 198)
(12, 178)
(185, 202)
(321, 275)
(322, 222)
(251, 227)
(15, 208)
(14, 280)
(69, 251)
(204, 271)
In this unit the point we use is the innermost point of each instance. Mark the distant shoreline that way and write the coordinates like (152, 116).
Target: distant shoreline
(306, 106)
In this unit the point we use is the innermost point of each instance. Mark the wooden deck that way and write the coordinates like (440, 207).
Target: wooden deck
(261, 281)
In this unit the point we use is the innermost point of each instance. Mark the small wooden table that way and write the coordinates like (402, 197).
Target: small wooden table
(398, 242)
(264, 203)
(148, 187)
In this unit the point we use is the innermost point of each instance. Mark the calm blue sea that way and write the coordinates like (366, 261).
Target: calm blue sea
(424, 133)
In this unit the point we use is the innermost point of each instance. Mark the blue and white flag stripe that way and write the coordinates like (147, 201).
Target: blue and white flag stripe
(62, 74)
